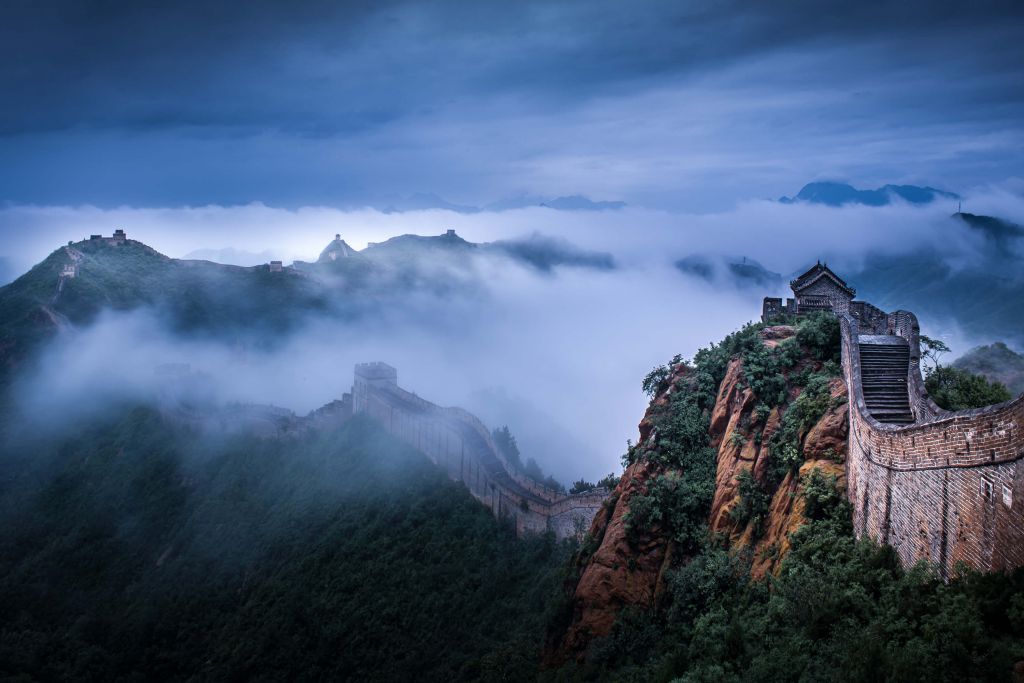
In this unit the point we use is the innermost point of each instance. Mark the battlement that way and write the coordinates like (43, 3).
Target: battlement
(119, 237)
(458, 442)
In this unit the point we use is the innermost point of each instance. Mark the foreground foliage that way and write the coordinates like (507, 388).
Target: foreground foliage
(840, 610)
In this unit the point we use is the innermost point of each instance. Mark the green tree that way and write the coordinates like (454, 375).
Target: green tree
(506, 443)
(931, 351)
(581, 486)
(955, 389)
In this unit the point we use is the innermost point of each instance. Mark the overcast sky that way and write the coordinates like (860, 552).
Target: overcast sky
(268, 126)
(678, 105)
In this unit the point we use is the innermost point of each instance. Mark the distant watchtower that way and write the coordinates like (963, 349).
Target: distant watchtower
(376, 374)
(370, 377)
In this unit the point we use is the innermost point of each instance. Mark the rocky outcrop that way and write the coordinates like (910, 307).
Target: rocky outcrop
(744, 443)
(618, 573)
(621, 572)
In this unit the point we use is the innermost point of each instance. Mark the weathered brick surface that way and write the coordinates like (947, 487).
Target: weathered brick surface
(948, 488)
(458, 442)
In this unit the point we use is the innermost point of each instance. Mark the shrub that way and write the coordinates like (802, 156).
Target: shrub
(753, 504)
(822, 498)
(819, 334)
(581, 486)
(677, 503)
(656, 380)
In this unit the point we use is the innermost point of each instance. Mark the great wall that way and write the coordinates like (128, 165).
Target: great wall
(940, 486)
(945, 487)
(458, 442)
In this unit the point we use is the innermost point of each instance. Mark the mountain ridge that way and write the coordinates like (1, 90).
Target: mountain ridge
(837, 194)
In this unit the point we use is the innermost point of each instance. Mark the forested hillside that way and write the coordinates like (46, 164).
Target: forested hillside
(135, 550)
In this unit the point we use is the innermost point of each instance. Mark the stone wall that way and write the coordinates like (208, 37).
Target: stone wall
(459, 443)
(949, 488)
(826, 291)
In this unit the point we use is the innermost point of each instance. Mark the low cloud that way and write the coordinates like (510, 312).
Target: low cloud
(568, 343)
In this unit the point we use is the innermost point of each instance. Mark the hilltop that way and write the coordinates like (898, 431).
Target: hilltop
(997, 363)
(257, 304)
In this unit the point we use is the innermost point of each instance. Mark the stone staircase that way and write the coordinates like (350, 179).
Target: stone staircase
(884, 363)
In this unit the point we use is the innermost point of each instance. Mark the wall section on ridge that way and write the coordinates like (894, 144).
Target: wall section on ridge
(458, 442)
(948, 488)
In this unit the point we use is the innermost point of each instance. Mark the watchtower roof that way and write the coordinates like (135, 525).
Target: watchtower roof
(817, 272)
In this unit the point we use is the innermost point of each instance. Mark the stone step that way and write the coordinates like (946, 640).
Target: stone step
(883, 376)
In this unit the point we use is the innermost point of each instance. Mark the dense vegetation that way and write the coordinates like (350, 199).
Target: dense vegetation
(996, 362)
(955, 389)
(137, 551)
(506, 443)
(840, 609)
(680, 499)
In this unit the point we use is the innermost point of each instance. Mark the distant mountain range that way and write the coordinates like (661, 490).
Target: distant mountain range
(73, 285)
(985, 301)
(840, 194)
(424, 202)
(743, 271)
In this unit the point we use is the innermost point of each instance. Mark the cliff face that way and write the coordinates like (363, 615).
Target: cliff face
(619, 573)
(744, 444)
(628, 569)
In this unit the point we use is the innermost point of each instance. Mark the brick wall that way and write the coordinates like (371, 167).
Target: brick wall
(948, 488)
(458, 442)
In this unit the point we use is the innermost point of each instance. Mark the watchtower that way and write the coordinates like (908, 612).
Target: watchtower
(819, 289)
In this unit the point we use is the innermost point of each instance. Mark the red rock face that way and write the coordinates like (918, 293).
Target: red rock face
(734, 426)
(620, 574)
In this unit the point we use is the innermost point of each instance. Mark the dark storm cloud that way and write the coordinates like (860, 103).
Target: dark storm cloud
(298, 102)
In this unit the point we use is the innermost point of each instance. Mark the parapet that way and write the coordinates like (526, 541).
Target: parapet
(119, 237)
(377, 374)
